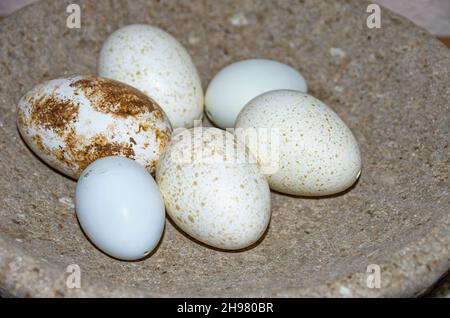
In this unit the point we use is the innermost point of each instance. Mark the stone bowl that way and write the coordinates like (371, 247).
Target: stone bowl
(390, 85)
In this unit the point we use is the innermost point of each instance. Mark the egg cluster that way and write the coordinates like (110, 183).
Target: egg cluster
(128, 136)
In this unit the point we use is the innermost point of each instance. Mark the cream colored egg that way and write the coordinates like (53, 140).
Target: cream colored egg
(310, 151)
(153, 61)
(70, 122)
(213, 190)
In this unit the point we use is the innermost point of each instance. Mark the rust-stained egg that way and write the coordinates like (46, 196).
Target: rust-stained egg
(70, 122)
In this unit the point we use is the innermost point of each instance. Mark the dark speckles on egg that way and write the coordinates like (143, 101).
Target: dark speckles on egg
(112, 97)
(70, 122)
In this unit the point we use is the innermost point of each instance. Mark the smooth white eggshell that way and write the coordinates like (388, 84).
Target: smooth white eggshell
(216, 199)
(236, 84)
(153, 61)
(70, 122)
(318, 154)
(120, 208)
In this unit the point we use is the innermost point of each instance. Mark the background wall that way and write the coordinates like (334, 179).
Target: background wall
(433, 15)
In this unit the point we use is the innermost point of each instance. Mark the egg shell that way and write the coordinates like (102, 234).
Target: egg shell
(120, 208)
(236, 84)
(70, 122)
(212, 194)
(317, 153)
(153, 61)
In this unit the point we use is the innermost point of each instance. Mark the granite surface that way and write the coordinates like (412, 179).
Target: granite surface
(441, 289)
(391, 86)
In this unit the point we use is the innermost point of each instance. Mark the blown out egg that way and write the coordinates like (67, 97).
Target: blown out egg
(70, 122)
(213, 189)
(311, 151)
(153, 61)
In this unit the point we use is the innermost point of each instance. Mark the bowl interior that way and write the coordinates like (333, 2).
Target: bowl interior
(386, 85)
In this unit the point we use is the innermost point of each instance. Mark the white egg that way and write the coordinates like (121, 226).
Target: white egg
(120, 208)
(213, 190)
(316, 153)
(236, 84)
(153, 61)
(70, 122)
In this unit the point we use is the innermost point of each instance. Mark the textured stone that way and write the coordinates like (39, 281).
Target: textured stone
(391, 86)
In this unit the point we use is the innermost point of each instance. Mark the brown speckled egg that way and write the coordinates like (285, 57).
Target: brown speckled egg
(70, 122)
(308, 150)
(213, 189)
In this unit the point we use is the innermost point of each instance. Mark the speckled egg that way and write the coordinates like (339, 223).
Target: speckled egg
(153, 61)
(70, 122)
(213, 189)
(317, 153)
